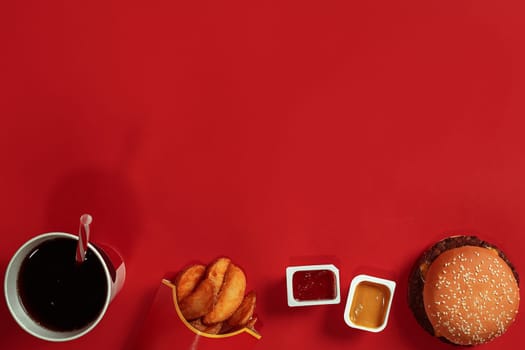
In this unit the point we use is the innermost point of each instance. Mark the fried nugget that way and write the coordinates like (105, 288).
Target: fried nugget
(215, 273)
(244, 312)
(230, 296)
(198, 303)
(188, 280)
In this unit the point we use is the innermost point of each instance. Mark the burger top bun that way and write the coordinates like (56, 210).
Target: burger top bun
(470, 295)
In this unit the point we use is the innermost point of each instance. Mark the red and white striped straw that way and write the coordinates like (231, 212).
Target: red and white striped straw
(83, 237)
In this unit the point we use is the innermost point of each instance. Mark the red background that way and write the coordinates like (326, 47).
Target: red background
(275, 132)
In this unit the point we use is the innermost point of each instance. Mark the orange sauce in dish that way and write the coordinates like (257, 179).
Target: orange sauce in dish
(369, 304)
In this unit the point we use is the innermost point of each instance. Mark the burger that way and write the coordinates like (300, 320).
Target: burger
(464, 291)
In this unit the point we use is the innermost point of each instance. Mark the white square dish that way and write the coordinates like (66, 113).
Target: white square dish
(369, 302)
(303, 282)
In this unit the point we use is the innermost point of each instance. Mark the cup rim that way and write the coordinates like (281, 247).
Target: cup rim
(13, 302)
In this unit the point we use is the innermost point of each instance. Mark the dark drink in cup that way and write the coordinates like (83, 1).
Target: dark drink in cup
(58, 292)
(51, 295)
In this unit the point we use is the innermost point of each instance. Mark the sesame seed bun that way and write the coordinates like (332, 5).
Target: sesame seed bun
(464, 291)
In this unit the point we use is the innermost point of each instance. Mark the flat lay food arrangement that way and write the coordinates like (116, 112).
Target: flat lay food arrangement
(240, 175)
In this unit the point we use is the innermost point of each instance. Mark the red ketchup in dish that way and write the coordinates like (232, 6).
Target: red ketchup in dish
(314, 285)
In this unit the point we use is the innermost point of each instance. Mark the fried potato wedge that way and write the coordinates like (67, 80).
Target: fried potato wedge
(197, 324)
(210, 329)
(251, 323)
(230, 296)
(198, 303)
(188, 279)
(244, 312)
(214, 328)
(216, 271)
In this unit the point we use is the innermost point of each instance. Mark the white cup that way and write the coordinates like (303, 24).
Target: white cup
(114, 270)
